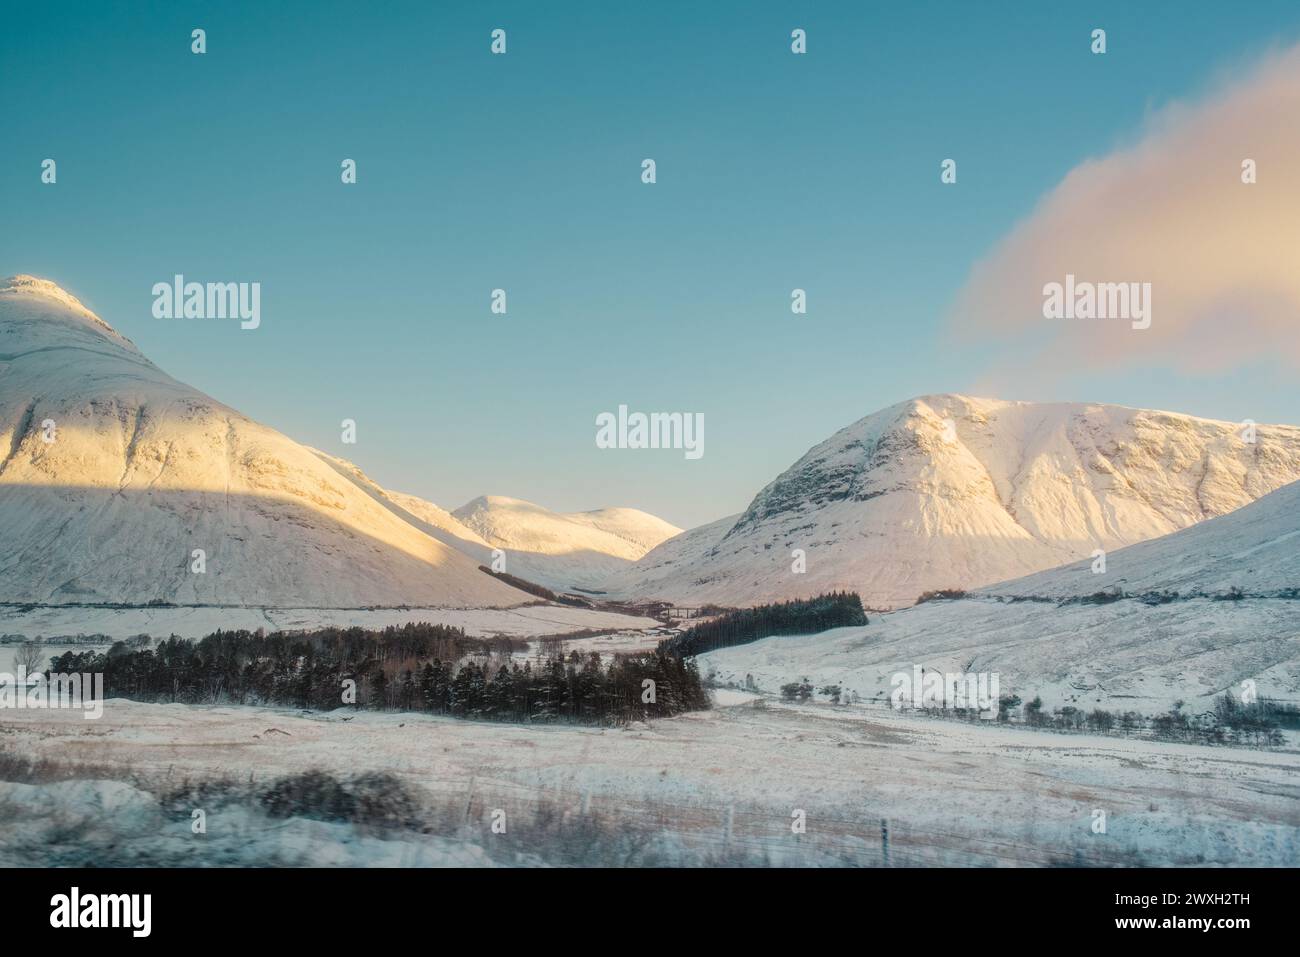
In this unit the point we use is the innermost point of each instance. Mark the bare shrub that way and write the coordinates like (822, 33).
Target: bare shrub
(31, 655)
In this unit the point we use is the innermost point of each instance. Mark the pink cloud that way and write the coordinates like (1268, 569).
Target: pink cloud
(1222, 257)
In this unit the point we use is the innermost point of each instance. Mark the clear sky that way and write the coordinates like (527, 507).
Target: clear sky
(522, 171)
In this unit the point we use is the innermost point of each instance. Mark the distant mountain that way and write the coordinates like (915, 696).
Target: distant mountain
(948, 491)
(141, 470)
(562, 550)
(1204, 610)
(557, 550)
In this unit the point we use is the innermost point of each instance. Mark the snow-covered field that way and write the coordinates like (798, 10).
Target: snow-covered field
(1120, 656)
(734, 777)
(100, 823)
(527, 621)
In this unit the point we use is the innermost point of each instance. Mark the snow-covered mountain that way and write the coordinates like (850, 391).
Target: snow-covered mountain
(563, 550)
(1254, 551)
(1202, 610)
(948, 491)
(113, 474)
(941, 492)
(659, 572)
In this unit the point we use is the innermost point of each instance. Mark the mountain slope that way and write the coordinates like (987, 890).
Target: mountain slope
(1128, 654)
(573, 550)
(1254, 550)
(143, 470)
(948, 491)
(560, 551)
(661, 570)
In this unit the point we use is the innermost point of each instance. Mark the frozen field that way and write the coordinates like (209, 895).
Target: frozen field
(952, 793)
(526, 621)
(1120, 656)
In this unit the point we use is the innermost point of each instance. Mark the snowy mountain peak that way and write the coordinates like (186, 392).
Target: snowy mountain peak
(953, 491)
(112, 473)
(39, 291)
(39, 314)
(487, 502)
(512, 523)
(23, 284)
(114, 476)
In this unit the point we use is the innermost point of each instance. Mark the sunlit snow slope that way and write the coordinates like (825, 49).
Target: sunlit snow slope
(143, 470)
(948, 491)
(1186, 616)
(563, 550)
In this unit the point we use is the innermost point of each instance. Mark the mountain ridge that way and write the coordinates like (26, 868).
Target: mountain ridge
(573, 550)
(140, 472)
(142, 469)
(952, 491)
(1181, 618)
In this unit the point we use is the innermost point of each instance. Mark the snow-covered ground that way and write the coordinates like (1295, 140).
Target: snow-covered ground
(611, 643)
(109, 823)
(1121, 656)
(952, 793)
(527, 621)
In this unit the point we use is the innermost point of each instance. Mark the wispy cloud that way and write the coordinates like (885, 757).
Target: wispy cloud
(1222, 257)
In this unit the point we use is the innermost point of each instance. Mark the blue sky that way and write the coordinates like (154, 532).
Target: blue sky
(522, 171)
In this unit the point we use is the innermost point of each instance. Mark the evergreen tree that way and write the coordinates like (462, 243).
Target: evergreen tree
(378, 688)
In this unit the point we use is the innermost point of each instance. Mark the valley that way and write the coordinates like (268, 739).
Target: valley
(714, 786)
(1092, 557)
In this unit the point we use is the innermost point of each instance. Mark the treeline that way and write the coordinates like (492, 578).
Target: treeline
(532, 588)
(1109, 596)
(1262, 714)
(416, 667)
(1232, 722)
(798, 617)
(941, 594)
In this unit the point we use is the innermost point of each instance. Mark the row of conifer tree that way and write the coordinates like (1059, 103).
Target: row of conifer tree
(416, 667)
(798, 617)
